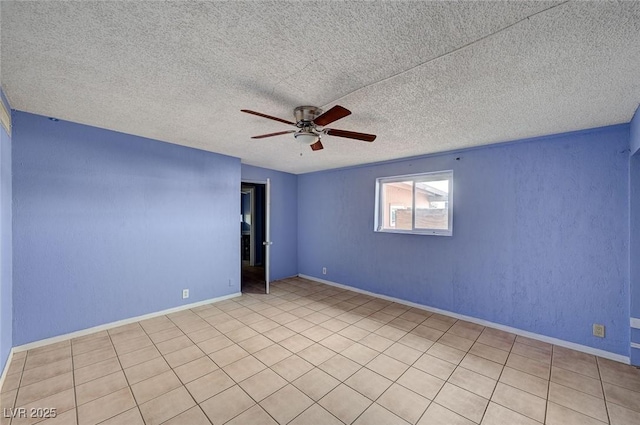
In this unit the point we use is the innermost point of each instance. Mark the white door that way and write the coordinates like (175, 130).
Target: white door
(267, 233)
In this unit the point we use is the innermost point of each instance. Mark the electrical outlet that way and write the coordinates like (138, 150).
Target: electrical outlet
(598, 330)
(324, 270)
(185, 293)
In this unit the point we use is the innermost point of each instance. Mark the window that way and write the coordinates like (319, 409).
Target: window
(416, 203)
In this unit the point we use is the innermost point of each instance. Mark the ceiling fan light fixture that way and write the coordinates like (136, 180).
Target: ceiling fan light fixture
(308, 138)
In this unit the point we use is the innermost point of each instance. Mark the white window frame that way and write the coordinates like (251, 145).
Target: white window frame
(415, 178)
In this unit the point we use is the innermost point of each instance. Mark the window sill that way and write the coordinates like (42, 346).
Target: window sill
(417, 232)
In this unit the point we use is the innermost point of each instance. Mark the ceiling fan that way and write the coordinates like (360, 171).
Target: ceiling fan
(310, 122)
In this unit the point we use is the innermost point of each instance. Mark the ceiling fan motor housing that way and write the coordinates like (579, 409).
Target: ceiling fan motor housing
(305, 115)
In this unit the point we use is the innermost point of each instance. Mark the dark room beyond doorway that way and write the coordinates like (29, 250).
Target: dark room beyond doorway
(252, 234)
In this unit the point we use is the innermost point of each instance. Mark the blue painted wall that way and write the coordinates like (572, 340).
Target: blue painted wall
(284, 218)
(634, 131)
(634, 250)
(109, 226)
(540, 236)
(6, 262)
(634, 230)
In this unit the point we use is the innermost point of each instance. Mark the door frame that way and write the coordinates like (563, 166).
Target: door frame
(267, 225)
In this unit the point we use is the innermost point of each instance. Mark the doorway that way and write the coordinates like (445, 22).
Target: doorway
(253, 237)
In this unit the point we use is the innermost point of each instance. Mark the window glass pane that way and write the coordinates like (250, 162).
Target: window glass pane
(432, 204)
(397, 201)
(415, 203)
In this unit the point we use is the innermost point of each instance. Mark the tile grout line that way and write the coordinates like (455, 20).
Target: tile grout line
(314, 342)
(126, 379)
(15, 401)
(341, 382)
(582, 392)
(457, 365)
(73, 378)
(546, 407)
(223, 371)
(425, 352)
(250, 354)
(382, 352)
(549, 381)
(445, 380)
(161, 355)
(527, 373)
(590, 395)
(205, 355)
(269, 368)
(604, 395)
(498, 381)
(503, 366)
(292, 354)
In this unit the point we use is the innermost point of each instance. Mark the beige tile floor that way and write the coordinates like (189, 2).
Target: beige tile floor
(314, 354)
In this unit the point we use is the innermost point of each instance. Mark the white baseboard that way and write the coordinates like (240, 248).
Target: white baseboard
(111, 325)
(635, 323)
(555, 341)
(6, 368)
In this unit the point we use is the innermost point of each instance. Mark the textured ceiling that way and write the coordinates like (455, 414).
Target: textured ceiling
(424, 76)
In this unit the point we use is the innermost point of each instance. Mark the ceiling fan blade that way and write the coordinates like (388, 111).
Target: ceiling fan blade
(317, 146)
(350, 134)
(333, 114)
(262, 136)
(267, 116)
